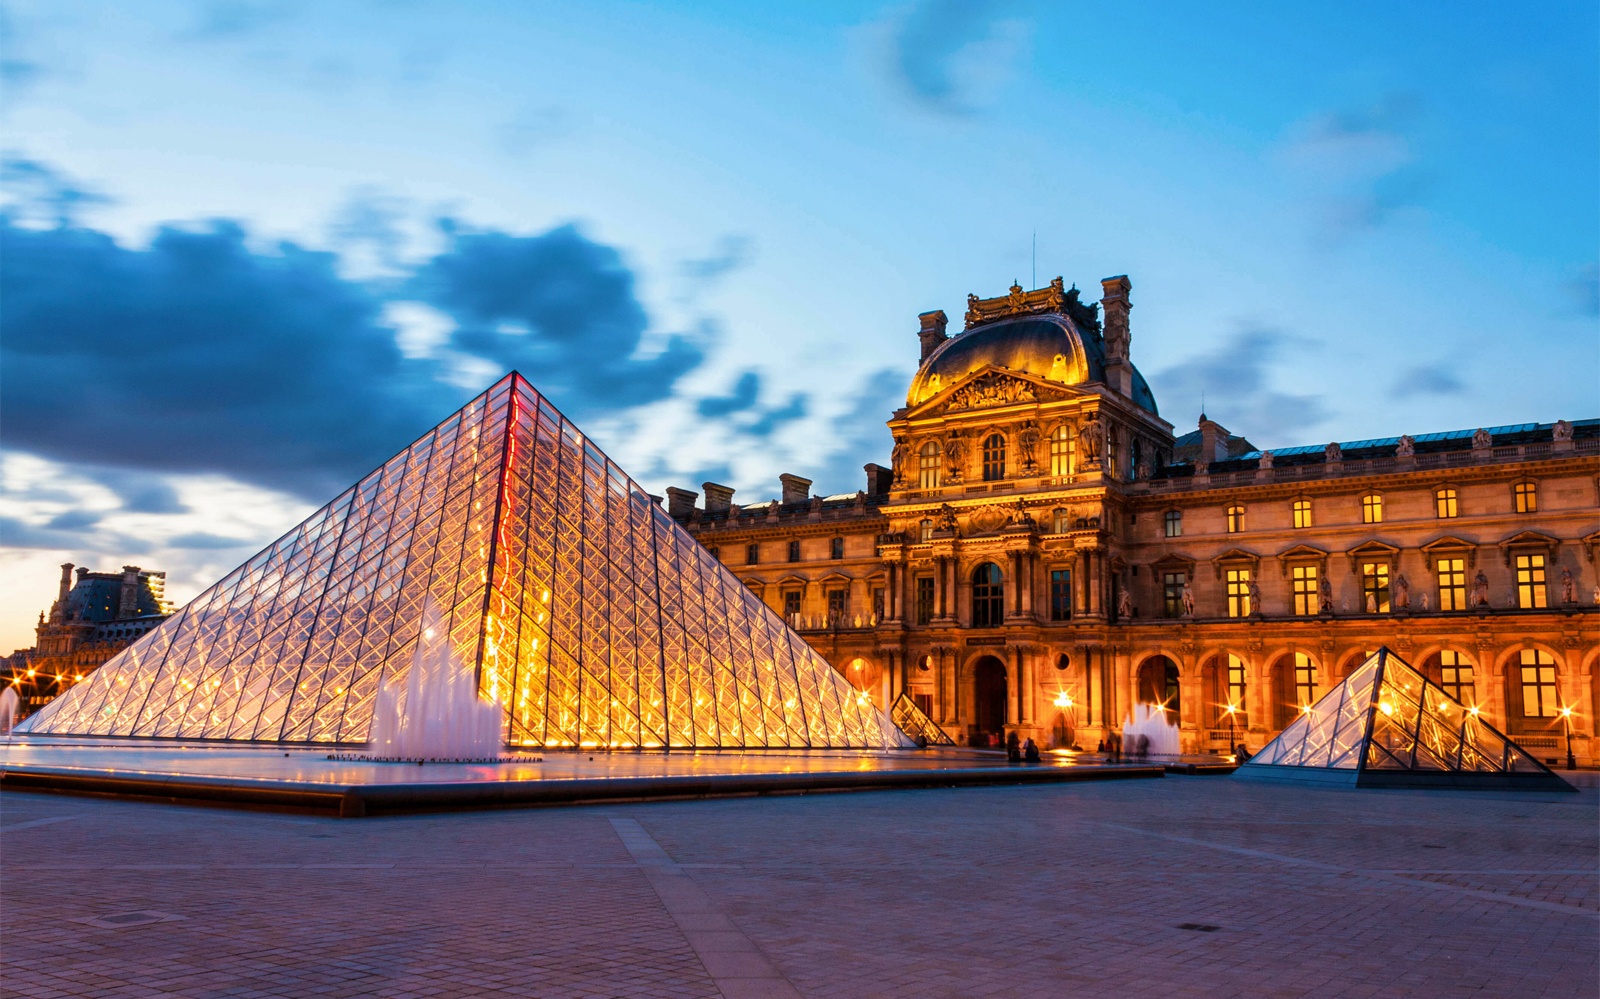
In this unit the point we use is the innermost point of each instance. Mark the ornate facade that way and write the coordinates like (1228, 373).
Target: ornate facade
(1044, 552)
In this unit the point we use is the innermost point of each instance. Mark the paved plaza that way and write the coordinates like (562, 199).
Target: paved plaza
(1186, 886)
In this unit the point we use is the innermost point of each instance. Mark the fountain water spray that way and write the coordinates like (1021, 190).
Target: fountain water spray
(439, 717)
(1150, 720)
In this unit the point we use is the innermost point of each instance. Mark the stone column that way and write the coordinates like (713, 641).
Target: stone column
(1013, 686)
(1029, 573)
(938, 587)
(1027, 668)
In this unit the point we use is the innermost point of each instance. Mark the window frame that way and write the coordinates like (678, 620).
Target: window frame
(1525, 496)
(1237, 581)
(929, 458)
(1533, 591)
(925, 529)
(1450, 576)
(1446, 503)
(1305, 579)
(988, 599)
(1372, 508)
(1539, 661)
(1304, 680)
(1458, 663)
(994, 457)
(924, 599)
(836, 548)
(793, 601)
(1172, 523)
(1298, 507)
(1381, 592)
(794, 551)
(1060, 594)
(1063, 450)
(1233, 515)
(752, 553)
(1172, 584)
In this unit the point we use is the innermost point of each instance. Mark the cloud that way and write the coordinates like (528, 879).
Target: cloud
(1235, 381)
(38, 193)
(535, 126)
(370, 221)
(795, 409)
(73, 520)
(744, 395)
(1429, 379)
(202, 539)
(1360, 167)
(140, 492)
(1585, 289)
(859, 434)
(731, 253)
(954, 55)
(235, 18)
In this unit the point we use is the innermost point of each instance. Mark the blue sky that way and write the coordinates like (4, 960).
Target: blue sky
(252, 248)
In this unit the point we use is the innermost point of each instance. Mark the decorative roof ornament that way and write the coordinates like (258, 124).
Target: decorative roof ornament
(1054, 298)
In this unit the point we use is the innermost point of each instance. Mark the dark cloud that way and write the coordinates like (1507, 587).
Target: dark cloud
(559, 308)
(73, 520)
(140, 492)
(1585, 289)
(1429, 379)
(771, 419)
(744, 395)
(39, 193)
(929, 46)
(1235, 381)
(200, 539)
(16, 533)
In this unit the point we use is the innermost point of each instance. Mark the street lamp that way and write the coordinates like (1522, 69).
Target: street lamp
(1566, 716)
(1232, 747)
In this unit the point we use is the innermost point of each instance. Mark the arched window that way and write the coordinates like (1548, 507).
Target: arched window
(928, 466)
(1062, 445)
(994, 457)
(925, 531)
(988, 596)
(1235, 519)
(1527, 497)
(1372, 509)
(1539, 697)
(1302, 513)
(1444, 502)
(1453, 671)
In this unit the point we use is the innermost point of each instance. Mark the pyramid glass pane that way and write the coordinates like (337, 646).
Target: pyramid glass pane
(914, 722)
(1388, 718)
(587, 612)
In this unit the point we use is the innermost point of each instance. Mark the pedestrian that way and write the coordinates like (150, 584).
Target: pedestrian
(1144, 746)
(1030, 751)
(1014, 748)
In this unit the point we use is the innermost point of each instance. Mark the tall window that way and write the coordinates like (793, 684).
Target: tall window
(1530, 581)
(1061, 450)
(924, 599)
(836, 548)
(877, 603)
(1235, 519)
(1304, 580)
(1238, 592)
(1444, 502)
(1538, 684)
(1063, 521)
(1455, 676)
(791, 605)
(794, 551)
(1452, 583)
(994, 457)
(1305, 680)
(1060, 594)
(988, 596)
(1172, 593)
(928, 466)
(752, 554)
(1375, 587)
(1236, 689)
(1302, 513)
(838, 606)
(1372, 509)
(1174, 523)
(1527, 497)
(715, 551)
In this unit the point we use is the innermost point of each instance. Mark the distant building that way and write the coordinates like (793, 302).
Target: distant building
(1046, 553)
(94, 617)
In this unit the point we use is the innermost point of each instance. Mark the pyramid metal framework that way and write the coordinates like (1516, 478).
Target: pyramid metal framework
(913, 721)
(588, 612)
(1387, 725)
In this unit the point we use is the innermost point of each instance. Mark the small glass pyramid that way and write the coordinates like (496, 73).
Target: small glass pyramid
(913, 721)
(588, 612)
(1387, 725)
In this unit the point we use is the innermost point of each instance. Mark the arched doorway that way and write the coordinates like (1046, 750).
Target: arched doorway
(989, 697)
(1158, 683)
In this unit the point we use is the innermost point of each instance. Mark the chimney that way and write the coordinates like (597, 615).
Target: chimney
(1213, 442)
(795, 489)
(129, 607)
(680, 502)
(718, 497)
(932, 333)
(879, 479)
(66, 582)
(1114, 307)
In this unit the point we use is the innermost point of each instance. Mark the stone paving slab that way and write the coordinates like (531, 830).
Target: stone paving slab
(1179, 887)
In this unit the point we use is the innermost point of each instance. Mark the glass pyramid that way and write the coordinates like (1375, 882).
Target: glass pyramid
(589, 613)
(913, 721)
(1387, 725)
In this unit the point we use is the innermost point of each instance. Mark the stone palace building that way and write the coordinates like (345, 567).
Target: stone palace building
(1045, 552)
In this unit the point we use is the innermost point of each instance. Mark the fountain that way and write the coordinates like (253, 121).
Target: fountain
(439, 717)
(1150, 720)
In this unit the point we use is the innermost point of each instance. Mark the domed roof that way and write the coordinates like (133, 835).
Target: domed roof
(1052, 347)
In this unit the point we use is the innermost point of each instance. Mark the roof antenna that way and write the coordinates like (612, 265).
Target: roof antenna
(1202, 404)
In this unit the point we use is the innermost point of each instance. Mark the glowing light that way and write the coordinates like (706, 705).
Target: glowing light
(1386, 708)
(1062, 700)
(1473, 711)
(1566, 712)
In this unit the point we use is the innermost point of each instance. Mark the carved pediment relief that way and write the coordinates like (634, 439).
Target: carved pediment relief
(990, 388)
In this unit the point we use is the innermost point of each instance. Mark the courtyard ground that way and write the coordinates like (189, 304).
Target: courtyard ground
(1187, 886)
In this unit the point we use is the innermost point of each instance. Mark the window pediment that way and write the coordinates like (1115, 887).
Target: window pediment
(1173, 562)
(1449, 546)
(1529, 541)
(1373, 551)
(791, 581)
(837, 577)
(1236, 558)
(1301, 553)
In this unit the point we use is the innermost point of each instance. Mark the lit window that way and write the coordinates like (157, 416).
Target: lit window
(994, 457)
(988, 596)
(1235, 519)
(924, 599)
(1444, 502)
(1530, 581)
(1375, 587)
(1527, 495)
(1063, 522)
(794, 551)
(1236, 687)
(1172, 593)
(1372, 509)
(1174, 523)
(1305, 589)
(1455, 675)
(1062, 445)
(752, 554)
(1060, 594)
(1238, 592)
(836, 548)
(1305, 680)
(925, 531)
(1302, 513)
(1538, 684)
(928, 466)
(1452, 584)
